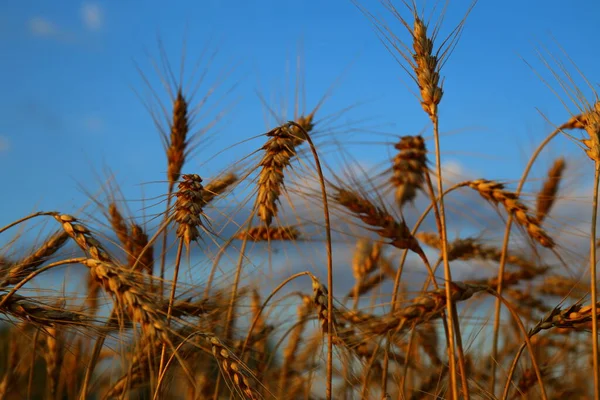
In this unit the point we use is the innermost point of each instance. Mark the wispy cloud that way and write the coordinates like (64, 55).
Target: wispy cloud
(455, 171)
(41, 26)
(45, 28)
(4, 144)
(92, 16)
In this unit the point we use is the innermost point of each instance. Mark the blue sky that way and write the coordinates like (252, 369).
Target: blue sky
(68, 106)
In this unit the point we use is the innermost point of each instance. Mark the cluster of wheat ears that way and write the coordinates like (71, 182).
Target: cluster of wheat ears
(212, 331)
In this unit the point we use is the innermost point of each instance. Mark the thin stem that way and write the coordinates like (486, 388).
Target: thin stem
(416, 227)
(32, 366)
(365, 383)
(328, 391)
(511, 371)
(534, 363)
(398, 277)
(30, 216)
(409, 347)
(504, 254)
(36, 273)
(163, 255)
(593, 284)
(233, 296)
(171, 301)
(264, 304)
(171, 358)
(461, 355)
(161, 229)
(452, 329)
(95, 355)
(216, 261)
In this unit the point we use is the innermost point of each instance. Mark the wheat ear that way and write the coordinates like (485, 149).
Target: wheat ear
(547, 195)
(278, 151)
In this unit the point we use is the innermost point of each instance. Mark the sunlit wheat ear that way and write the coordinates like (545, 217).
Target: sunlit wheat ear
(319, 299)
(30, 310)
(422, 308)
(118, 282)
(53, 356)
(570, 317)
(366, 256)
(360, 347)
(188, 208)
(119, 226)
(176, 150)
(527, 300)
(130, 294)
(83, 237)
(278, 151)
(15, 272)
(562, 287)
(218, 186)
(264, 234)
(425, 60)
(306, 122)
(470, 248)
(495, 193)
(378, 219)
(366, 284)
(465, 249)
(355, 317)
(233, 368)
(426, 66)
(409, 168)
(547, 195)
(139, 241)
(125, 234)
(512, 278)
(90, 246)
(590, 122)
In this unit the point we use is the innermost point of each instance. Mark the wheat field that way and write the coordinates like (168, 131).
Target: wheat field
(297, 272)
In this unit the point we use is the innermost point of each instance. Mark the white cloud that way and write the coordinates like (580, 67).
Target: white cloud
(40, 26)
(92, 16)
(4, 144)
(43, 27)
(453, 169)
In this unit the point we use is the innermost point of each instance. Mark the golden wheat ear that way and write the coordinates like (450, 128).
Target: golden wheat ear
(547, 195)
(278, 152)
(409, 168)
(496, 194)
